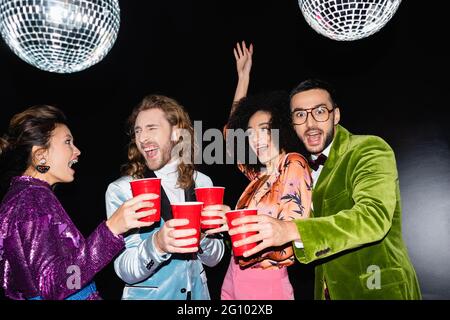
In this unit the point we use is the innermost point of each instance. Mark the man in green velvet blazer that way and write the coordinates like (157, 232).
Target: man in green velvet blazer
(354, 236)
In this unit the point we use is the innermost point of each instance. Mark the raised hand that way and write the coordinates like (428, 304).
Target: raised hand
(243, 56)
(126, 217)
(166, 238)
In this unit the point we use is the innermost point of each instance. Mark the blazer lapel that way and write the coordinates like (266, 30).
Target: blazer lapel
(339, 147)
(189, 194)
(166, 209)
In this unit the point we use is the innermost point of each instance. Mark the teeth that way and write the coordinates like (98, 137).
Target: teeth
(72, 162)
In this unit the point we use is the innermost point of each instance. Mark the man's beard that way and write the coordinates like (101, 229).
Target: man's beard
(161, 161)
(328, 139)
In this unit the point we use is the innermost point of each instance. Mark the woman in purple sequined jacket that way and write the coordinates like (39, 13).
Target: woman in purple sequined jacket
(42, 253)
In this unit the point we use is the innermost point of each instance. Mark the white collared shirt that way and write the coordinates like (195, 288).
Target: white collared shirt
(169, 180)
(315, 177)
(315, 174)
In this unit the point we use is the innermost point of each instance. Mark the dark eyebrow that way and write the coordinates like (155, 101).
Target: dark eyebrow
(317, 105)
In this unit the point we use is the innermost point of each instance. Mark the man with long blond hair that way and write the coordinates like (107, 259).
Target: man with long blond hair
(154, 264)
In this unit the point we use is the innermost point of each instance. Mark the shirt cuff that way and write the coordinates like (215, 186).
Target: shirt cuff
(156, 254)
(298, 244)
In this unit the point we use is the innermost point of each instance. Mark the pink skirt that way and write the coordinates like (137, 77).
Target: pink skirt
(256, 284)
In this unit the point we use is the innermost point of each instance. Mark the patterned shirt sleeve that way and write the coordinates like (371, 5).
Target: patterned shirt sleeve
(295, 189)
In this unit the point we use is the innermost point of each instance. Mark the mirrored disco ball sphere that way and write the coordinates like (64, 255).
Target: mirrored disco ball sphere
(61, 36)
(348, 20)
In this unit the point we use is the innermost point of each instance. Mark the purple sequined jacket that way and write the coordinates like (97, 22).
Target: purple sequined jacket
(41, 250)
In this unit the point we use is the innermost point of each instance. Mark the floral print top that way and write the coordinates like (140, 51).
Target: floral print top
(286, 195)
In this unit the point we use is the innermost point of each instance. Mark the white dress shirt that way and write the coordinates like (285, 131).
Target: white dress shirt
(315, 177)
(169, 179)
(316, 173)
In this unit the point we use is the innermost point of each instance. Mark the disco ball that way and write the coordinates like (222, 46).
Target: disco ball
(347, 20)
(61, 36)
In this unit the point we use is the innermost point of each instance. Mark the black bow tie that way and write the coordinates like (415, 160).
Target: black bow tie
(314, 164)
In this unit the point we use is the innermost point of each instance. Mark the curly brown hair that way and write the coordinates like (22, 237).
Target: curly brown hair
(176, 116)
(277, 104)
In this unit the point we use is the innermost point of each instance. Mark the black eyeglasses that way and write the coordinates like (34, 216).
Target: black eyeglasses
(320, 114)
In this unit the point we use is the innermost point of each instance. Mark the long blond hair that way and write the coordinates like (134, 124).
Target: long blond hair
(176, 116)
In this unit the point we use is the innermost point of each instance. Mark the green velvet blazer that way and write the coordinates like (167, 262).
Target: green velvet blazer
(354, 236)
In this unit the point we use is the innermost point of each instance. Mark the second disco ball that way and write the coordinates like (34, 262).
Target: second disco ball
(348, 20)
(60, 36)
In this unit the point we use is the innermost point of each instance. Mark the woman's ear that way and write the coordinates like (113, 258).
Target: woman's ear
(38, 154)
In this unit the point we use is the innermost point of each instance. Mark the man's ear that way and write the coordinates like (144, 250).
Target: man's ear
(337, 116)
(175, 134)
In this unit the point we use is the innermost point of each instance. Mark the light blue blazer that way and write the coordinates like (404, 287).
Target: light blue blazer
(151, 276)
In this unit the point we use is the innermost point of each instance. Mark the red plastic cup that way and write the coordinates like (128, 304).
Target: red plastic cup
(148, 185)
(191, 211)
(210, 196)
(231, 215)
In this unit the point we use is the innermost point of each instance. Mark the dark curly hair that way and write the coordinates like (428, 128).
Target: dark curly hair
(277, 104)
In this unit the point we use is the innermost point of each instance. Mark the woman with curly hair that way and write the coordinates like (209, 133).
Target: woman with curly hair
(280, 186)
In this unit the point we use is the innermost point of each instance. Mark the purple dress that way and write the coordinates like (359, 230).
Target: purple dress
(42, 253)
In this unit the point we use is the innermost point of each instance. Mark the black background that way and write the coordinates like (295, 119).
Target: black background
(393, 84)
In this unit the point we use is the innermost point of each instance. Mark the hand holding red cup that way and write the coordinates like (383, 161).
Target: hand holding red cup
(148, 185)
(234, 214)
(210, 196)
(190, 211)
